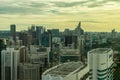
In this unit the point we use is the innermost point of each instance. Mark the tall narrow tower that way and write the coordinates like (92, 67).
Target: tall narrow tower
(79, 24)
(2, 46)
(78, 30)
(13, 31)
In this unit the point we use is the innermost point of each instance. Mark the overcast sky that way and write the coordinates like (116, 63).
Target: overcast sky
(96, 15)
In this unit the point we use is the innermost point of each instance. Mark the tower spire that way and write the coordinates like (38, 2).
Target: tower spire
(79, 24)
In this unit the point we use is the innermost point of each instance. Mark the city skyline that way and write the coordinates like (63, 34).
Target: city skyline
(95, 15)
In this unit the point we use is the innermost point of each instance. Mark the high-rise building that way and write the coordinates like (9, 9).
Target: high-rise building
(2, 46)
(46, 39)
(67, 32)
(13, 31)
(55, 32)
(113, 34)
(39, 31)
(81, 43)
(100, 62)
(71, 40)
(23, 37)
(78, 30)
(9, 61)
(29, 72)
(22, 54)
(26, 38)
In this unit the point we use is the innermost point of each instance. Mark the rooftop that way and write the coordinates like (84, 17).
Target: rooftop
(100, 50)
(34, 56)
(28, 65)
(69, 51)
(65, 68)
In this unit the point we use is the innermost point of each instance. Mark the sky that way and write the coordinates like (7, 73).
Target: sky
(95, 15)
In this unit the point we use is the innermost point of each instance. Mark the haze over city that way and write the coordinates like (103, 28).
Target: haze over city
(59, 40)
(96, 15)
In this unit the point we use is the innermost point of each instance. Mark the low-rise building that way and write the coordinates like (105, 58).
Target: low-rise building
(67, 71)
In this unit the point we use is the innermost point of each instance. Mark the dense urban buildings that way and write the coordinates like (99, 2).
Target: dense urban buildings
(41, 54)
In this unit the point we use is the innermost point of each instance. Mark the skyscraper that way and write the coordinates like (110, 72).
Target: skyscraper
(39, 31)
(9, 61)
(78, 30)
(81, 42)
(55, 32)
(13, 31)
(100, 63)
(2, 46)
(46, 39)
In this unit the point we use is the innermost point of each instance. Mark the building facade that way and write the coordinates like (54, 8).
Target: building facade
(100, 63)
(13, 31)
(9, 61)
(29, 71)
(2, 46)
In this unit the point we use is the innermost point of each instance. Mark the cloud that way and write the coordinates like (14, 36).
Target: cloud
(12, 10)
(23, 7)
(85, 3)
(93, 21)
(58, 7)
(66, 4)
(38, 5)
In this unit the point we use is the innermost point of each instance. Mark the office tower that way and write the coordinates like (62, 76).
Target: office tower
(113, 34)
(22, 54)
(33, 28)
(2, 46)
(26, 38)
(29, 40)
(13, 31)
(39, 31)
(23, 37)
(29, 71)
(78, 30)
(81, 43)
(100, 63)
(55, 32)
(9, 61)
(46, 39)
(71, 40)
(67, 32)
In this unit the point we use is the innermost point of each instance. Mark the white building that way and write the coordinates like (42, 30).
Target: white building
(67, 71)
(9, 64)
(29, 72)
(100, 63)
